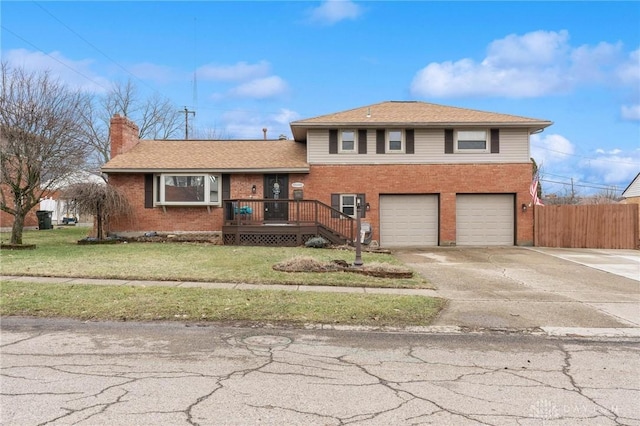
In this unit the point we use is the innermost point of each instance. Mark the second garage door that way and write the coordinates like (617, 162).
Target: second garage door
(484, 220)
(408, 220)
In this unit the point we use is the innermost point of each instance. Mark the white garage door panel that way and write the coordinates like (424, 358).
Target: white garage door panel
(408, 220)
(484, 220)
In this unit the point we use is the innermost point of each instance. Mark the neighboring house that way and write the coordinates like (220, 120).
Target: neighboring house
(424, 174)
(631, 194)
(62, 210)
(53, 202)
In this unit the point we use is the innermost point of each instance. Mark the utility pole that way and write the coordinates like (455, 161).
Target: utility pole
(186, 122)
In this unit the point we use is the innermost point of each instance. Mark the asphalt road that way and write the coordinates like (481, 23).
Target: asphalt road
(62, 372)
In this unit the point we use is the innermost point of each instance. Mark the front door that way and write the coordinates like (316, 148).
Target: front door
(276, 187)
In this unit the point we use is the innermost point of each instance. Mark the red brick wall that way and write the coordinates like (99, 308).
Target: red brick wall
(446, 180)
(6, 220)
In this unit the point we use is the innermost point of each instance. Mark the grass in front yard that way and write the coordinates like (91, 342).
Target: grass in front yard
(57, 254)
(119, 303)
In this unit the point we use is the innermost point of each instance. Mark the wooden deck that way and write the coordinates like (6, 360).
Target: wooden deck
(292, 223)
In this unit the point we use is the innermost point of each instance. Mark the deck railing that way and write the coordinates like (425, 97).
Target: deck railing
(252, 212)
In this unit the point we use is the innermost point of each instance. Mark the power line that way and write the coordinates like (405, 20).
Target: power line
(611, 187)
(588, 158)
(97, 49)
(568, 177)
(54, 58)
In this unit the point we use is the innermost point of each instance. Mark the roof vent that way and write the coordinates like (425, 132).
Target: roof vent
(264, 130)
(369, 112)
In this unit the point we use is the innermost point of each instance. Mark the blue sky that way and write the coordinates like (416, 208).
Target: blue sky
(264, 64)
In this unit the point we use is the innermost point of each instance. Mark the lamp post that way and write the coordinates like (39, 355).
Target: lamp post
(358, 261)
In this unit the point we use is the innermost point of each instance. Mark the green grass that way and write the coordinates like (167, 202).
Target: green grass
(58, 254)
(128, 303)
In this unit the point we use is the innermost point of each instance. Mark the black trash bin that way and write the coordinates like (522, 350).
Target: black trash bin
(44, 219)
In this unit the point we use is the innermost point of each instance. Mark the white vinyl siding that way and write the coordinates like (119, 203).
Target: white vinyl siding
(429, 149)
(484, 220)
(408, 220)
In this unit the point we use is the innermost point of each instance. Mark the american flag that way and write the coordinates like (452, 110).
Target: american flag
(533, 190)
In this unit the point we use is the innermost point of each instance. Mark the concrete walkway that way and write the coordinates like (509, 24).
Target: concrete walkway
(625, 263)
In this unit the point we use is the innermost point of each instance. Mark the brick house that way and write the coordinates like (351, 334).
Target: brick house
(423, 174)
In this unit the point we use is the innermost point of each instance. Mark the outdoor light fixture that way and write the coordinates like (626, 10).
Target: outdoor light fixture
(253, 189)
(524, 207)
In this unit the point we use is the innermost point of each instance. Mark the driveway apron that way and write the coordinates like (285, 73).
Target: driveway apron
(515, 287)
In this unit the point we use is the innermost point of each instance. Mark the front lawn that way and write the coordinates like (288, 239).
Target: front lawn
(58, 254)
(247, 307)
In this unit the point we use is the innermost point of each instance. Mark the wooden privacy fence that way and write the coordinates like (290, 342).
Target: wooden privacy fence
(607, 226)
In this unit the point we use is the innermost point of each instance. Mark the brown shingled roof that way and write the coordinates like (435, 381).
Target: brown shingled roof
(414, 113)
(152, 155)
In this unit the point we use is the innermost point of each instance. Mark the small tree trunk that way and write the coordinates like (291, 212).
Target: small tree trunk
(17, 228)
(99, 221)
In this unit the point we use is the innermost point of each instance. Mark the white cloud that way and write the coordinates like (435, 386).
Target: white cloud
(595, 63)
(285, 116)
(615, 167)
(629, 71)
(630, 112)
(261, 88)
(535, 48)
(333, 11)
(249, 124)
(240, 71)
(534, 64)
(551, 149)
(76, 74)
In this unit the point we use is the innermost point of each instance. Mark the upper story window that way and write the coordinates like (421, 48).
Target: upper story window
(471, 141)
(395, 140)
(347, 141)
(187, 189)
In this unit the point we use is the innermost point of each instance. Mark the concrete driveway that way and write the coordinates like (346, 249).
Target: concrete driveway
(531, 288)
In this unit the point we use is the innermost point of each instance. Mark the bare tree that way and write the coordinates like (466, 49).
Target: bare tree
(99, 200)
(41, 139)
(608, 195)
(156, 117)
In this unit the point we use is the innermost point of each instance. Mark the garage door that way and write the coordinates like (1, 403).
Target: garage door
(484, 220)
(408, 220)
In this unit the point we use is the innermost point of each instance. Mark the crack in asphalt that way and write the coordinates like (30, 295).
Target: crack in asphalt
(566, 370)
(466, 388)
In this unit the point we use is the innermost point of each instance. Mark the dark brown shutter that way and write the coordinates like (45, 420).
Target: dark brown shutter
(380, 139)
(333, 141)
(226, 186)
(362, 141)
(363, 205)
(335, 203)
(495, 141)
(148, 191)
(410, 148)
(448, 141)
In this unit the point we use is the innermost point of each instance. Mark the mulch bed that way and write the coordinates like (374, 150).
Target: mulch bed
(310, 265)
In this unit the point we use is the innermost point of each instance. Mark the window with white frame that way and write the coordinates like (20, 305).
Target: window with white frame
(471, 141)
(347, 141)
(187, 189)
(395, 140)
(348, 204)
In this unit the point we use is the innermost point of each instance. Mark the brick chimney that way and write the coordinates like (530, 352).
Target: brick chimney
(124, 135)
